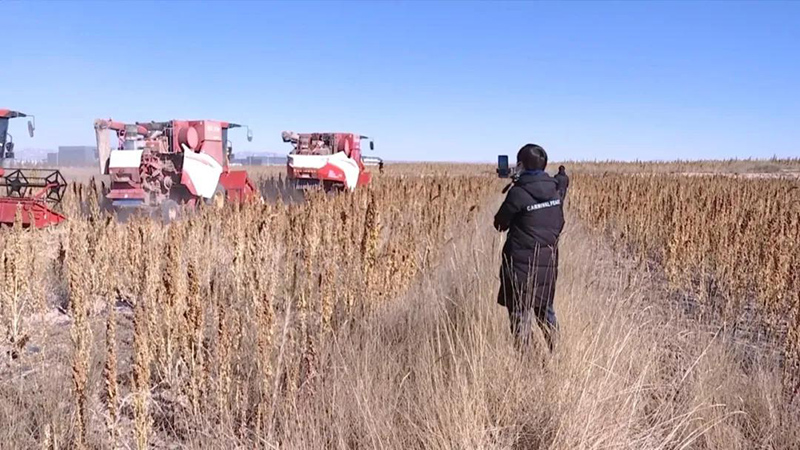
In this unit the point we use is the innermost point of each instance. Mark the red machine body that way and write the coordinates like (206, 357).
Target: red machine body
(174, 162)
(28, 193)
(327, 160)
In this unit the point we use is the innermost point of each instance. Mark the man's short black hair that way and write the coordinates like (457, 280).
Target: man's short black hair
(532, 157)
(561, 168)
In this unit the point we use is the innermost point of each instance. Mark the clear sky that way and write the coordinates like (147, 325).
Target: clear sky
(430, 81)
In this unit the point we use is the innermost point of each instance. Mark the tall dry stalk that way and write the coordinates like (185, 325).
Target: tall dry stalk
(144, 329)
(265, 275)
(141, 376)
(730, 242)
(369, 244)
(20, 295)
(80, 332)
(280, 281)
(224, 350)
(9, 295)
(110, 372)
(310, 231)
(195, 318)
(173, 280)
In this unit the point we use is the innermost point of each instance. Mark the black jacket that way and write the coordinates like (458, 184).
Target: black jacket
(563, 183)
(533, 215)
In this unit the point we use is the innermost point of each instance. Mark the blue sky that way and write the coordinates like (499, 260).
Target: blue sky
(430, 81)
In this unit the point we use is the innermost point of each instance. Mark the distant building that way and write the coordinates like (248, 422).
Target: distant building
(76, 156)
(52, 159)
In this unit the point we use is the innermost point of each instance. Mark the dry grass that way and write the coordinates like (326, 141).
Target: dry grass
(362, 321)
(774, 166)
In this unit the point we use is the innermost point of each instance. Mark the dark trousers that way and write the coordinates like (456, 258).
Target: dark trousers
(528, 293)
(522, 319)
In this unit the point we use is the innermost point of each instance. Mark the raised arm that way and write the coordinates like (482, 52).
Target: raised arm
(510, 207)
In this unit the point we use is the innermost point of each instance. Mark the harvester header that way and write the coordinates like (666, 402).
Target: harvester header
(30, 194)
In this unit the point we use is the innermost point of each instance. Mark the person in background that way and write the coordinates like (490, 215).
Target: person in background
(563, 182)
(534, 219)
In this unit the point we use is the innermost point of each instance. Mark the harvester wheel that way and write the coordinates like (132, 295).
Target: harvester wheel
(333, 188)
(170, 210)
(219, 198)
(106, 205)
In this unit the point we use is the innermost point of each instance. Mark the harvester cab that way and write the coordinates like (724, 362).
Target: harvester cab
(6, 139)
(159, 166)
(326, 160)
(30, 194)
(229, 145)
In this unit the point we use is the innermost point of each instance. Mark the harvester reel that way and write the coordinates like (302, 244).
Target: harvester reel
(56, 193)
(16, 184)
(35, 190)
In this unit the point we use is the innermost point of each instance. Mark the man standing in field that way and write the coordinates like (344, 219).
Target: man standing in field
(533, 217)
(563, 182)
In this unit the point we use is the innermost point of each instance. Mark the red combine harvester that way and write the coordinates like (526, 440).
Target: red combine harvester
(157, 166)
(327, 160)
(30, 192)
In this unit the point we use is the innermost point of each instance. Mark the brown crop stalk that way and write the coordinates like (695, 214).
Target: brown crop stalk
(110, 371)
(80, 332)
(730, 242)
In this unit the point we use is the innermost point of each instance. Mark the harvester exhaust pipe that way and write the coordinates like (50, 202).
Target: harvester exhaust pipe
(290, 136)
(103, 147)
